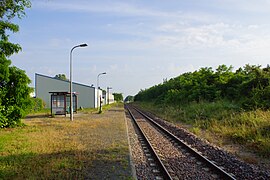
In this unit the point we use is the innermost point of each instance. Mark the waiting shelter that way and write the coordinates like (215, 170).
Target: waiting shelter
(60, 103)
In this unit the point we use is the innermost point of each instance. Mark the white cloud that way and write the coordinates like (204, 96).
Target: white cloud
(109, 7)
(240, 6)
(58, 43)
(126, 9)
(114, 67)
(175, 70)
(218, 35)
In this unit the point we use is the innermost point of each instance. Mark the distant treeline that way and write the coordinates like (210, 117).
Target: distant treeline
(248, 87)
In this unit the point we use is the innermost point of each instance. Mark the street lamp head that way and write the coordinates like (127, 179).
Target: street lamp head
(83, 45)
(104, 73)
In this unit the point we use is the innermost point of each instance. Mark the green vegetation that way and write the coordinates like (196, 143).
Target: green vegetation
(118, 97)
(104, 108)
(37, 104)
(129, 99)
(248, 87)
(61, 77)
(232, 105)
(91, 147)
(109, 106)
(14, 91)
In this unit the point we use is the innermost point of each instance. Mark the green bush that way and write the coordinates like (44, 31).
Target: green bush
(37, 104)
(3, 121)
(248, 86)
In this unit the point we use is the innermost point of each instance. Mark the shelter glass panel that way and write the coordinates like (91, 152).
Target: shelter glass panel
(58, 104)
(74, 99)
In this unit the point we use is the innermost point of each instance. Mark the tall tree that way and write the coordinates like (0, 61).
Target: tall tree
(14, 90)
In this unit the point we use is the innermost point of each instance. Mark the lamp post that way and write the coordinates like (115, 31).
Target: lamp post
(108, 100)
(98, 98)
(70, 77)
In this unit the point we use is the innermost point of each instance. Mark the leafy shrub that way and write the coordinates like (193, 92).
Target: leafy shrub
(37, 104)
(3, 121)
(248, 87)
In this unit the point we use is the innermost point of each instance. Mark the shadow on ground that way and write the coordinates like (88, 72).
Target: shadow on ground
(65, 165)
(37, 116)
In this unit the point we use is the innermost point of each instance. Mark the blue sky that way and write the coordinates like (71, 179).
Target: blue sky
(139, 43)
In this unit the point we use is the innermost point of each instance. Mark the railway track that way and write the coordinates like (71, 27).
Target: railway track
(168, 156)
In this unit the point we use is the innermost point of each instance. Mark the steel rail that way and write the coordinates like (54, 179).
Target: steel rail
(209, 163)
(163, 169)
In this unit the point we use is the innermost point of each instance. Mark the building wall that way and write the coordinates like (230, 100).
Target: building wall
(45, 84)
(111, 98)
(97, 100)
(105, 97)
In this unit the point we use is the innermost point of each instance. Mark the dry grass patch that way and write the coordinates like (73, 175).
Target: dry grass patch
(92, 146)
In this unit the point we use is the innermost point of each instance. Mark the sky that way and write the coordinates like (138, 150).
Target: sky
(140, 43)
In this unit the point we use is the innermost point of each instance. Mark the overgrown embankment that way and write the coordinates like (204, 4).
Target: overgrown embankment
(232, 105)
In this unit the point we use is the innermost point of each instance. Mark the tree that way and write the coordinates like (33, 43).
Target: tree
(14, 90)
(129, 98)
(248, 87)
(61, 76)
(118, 97)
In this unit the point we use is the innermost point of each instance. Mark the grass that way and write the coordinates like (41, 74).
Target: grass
(223, 120)
(93, 146)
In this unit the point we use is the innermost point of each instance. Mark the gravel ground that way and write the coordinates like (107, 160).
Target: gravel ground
(227, 161)
(179, 164)
(142, 167)
(231, 164)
